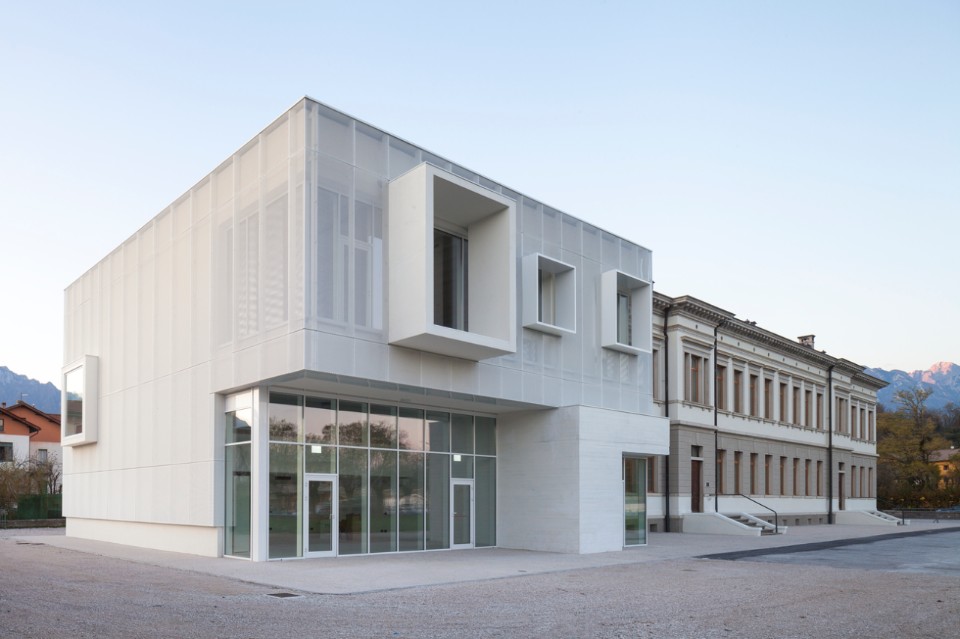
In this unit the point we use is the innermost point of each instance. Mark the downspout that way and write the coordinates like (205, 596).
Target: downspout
(666, 413)
(716, 429)
(830, 403)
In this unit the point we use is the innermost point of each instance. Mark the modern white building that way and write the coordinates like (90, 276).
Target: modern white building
(762, 428)
(339, 343)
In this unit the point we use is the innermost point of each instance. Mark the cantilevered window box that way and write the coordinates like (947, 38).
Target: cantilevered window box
(452, 266)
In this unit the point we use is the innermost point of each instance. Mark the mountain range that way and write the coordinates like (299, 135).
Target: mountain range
(46, 397)
(943, 378)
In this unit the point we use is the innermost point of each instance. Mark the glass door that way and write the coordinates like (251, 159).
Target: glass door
(462, 513)
(634, 501)
(320, 522)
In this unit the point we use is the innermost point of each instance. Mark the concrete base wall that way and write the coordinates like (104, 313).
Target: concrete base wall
(560, 477)
(860, 518)
(715, 524)
(194, 540)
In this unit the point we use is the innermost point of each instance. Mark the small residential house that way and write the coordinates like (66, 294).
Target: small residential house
(26, 432)
(947, 461)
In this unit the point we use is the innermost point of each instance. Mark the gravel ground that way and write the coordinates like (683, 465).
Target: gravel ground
(53, 592)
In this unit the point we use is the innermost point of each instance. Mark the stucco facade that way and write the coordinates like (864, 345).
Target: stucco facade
(760, 424)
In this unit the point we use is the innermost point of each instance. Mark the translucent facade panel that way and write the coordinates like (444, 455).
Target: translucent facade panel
(411, 503)
(223, 251)
(285, 417)
(486, 501)
(223, 184)
(200, 201)
(383, 426)
(611, 250)
(435, 160)
(531, 219)
(333, 185)
(570, 234)
(402, 157)
(276, 146)
(465, 173)
(438, 501)
(437, 432)
(286, 481)
(247, 280)
(353, 501)
(462, 434)
(320, 421)
(410, 436)
(249, 165)
(352, 423)
(331, 132)
(592, 249)
(368, 246)
(275, 255)
(551, 226)
(384, 515)
(371, 149)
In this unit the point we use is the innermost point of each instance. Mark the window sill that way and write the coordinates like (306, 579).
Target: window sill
(550, 329)
(625, 348)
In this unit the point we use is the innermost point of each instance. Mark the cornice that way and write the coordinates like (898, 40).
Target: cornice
(762, 336)
(691, 307)
(868, 380)
(727, 323)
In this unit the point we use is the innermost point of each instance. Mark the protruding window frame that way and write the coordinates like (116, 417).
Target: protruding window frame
(562, 295)
(616, 286)
(88, 431)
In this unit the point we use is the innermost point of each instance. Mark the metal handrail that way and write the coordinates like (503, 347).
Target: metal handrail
(776, 517)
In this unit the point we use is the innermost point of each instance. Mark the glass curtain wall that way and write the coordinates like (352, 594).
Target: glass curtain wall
(394, 467)
(634, 501)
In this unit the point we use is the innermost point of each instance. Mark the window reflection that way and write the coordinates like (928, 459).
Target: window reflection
(73, 387)
(391, 495)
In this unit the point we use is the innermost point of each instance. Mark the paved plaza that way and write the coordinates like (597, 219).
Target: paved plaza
(816, 581)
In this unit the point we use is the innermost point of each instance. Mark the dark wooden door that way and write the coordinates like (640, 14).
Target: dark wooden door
(696, 485)
(842, 477)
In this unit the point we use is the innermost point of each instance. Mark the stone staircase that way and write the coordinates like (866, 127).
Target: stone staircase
(765, 527)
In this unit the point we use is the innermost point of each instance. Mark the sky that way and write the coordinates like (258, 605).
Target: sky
(795, 163)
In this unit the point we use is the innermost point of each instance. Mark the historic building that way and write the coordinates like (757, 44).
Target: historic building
(762, 428)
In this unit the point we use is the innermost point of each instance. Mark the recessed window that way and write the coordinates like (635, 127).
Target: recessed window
(626, 305)
(450, 280)
(6, 452)
(737, 391)
(695, 386)
(549, 295)
(624, 319)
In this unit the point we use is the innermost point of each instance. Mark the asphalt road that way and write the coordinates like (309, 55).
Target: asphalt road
(898, 587)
